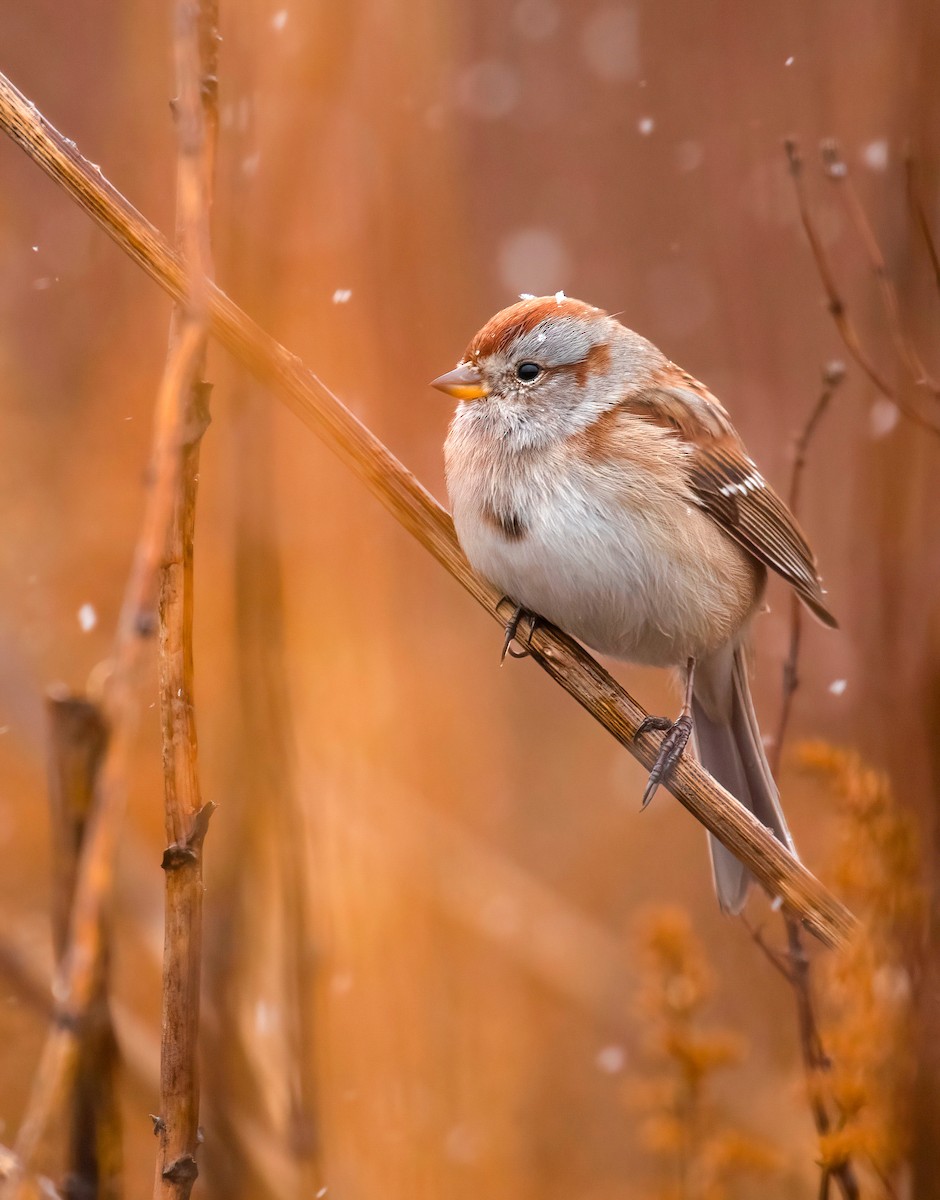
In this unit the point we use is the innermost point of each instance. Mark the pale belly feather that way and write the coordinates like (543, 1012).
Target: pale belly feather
(598, 567)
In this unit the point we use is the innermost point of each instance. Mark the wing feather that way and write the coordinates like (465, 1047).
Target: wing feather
(726, 483)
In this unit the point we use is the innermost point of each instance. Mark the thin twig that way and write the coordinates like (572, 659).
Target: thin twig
(562, 658)
(833, 374)
(795, 965)
(837, 171)
(837, 305)
(815, 1059)
(195, 110)
(777, 960)
(920, 214)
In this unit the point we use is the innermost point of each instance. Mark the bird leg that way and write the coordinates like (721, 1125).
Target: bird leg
(675, 741)
(512, 628)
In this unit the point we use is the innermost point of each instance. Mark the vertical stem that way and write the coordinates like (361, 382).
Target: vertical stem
(833, 374)
(815, 1061)
(77, 740)
(187, 818)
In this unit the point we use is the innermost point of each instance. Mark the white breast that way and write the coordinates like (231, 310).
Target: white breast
(632, 572)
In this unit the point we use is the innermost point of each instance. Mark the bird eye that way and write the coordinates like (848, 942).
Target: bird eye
(527, 371)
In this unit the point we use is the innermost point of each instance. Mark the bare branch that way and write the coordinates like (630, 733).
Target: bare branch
(794, 965)
(77, 975)
(837, 305)
(195, 110)
(837, 170)
(920, 213)
(780, 873)
(833, 374)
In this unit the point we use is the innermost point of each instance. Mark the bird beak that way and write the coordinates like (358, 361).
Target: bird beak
(463, 383)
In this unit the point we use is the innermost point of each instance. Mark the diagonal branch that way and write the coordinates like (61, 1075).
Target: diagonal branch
(567, 663)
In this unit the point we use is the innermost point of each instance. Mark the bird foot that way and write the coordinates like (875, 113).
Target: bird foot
(677, 737)
(512, 628)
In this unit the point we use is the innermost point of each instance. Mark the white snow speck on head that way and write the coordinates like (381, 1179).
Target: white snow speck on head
(559, 296)
(789, 62)
(532, 260)
(87, 618)
(321, 1193)
(875, 154)
(35, 248)
(777, 903)
(489, 89)
(883, 415)
(541, 338)
(610, 42)
(342, 295)
(610, 1059)
(526, 296)
(646, 125)
(838, 686)
(536, 19)
(279, 20)
(689, 155)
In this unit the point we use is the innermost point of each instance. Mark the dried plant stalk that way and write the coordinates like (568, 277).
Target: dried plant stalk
(837, 305)
(794, 964)
(833, 375)
(77, 741)
(196, 52)
(770, 862)
(920, 215)
(837, 170)
(77, 974)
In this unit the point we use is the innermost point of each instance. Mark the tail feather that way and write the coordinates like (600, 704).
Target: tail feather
(728, 742)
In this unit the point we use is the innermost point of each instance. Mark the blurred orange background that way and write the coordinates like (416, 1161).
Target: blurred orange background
(424, 870)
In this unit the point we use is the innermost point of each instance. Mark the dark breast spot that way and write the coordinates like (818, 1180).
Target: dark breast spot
(509, 523)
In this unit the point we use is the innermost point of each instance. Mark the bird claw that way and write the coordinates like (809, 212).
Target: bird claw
(677, 737)
(512, 628)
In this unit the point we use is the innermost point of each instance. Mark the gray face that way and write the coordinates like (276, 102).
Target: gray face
(552, 379)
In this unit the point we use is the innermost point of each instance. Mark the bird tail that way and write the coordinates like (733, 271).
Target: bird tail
(728, 743)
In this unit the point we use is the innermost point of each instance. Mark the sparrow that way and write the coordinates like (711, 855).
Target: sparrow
(605, 490)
